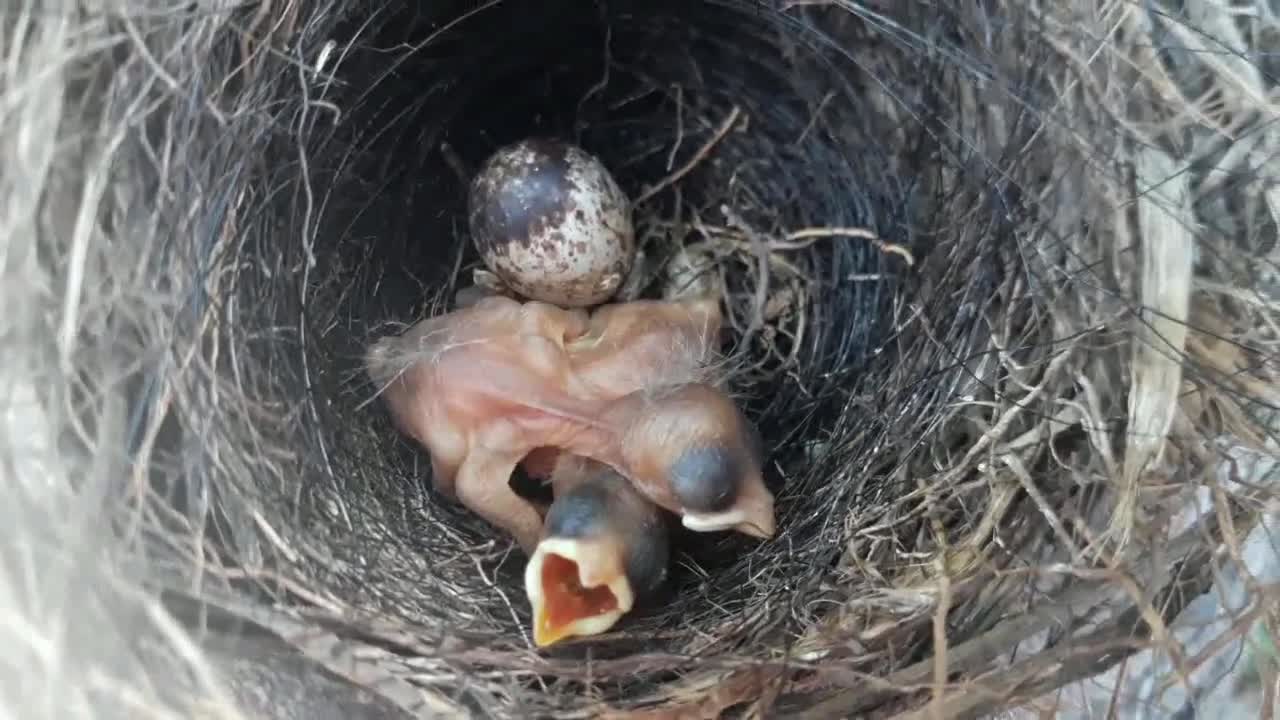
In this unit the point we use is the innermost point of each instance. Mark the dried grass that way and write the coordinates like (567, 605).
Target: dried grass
(1003, 467)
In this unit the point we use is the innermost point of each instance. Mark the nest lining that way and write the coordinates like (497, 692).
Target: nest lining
(345, 218)
(649, 90)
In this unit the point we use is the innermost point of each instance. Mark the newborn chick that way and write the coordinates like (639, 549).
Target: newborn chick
(636, 345)
(689, 449)
(479, 388)
(484, 386)
(603, 547)
(684, 442)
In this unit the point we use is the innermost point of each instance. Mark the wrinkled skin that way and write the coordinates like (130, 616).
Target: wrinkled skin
(484, 386)
(479, 388)
(629, 347)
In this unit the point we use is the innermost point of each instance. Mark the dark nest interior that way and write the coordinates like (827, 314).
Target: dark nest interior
(879, 190)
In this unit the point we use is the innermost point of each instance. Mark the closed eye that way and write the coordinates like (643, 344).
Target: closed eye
(704, 479)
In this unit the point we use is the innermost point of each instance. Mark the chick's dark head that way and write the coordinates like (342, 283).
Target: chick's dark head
(603, 547)
(691, 448)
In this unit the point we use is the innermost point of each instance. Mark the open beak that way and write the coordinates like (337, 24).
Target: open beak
(575, 589)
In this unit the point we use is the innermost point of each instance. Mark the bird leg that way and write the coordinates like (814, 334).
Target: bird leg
(483, 486)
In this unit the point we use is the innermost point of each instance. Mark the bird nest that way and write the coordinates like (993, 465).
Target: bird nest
(959, 258)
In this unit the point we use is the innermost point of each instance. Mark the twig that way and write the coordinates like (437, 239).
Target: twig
(760, 246)
(511, 608)
(1239, 627)
(265, 576)
(1019, 470)
(696, 160)
(972, 655)
(937, 706)
(454, 161)
(796, 240)
(675, 146)
(1083, 657)
(813, 118)
(603, 82)
(1269, 697)
(789, 4)
(1114, 703)
(274, 537)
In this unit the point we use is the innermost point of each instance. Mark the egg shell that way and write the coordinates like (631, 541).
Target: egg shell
(552, 223)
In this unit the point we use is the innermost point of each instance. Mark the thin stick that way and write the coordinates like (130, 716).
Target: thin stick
(797, 240)
(1269, 698)
(675, 147)
(1240, 627)
(696, 160)
(1115, 691)
(813, 118)
(937, 704)
(760, 247)
(455, 163)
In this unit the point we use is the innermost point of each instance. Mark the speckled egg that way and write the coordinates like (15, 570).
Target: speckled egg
(550, 221)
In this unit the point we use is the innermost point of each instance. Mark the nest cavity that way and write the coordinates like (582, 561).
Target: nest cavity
(924, 298)
(858, 254)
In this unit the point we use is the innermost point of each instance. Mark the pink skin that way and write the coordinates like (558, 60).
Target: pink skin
(629, 346)
(484, 386)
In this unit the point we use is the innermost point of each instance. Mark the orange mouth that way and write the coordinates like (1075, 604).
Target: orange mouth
(566, 602)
